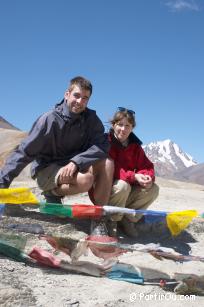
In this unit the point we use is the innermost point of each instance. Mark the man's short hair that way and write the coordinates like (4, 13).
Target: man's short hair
(81, 82)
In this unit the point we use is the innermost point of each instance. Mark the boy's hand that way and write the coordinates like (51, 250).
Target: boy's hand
(144, 180)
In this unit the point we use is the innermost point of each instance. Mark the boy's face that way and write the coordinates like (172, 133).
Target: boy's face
(77, 99)
(122, 129)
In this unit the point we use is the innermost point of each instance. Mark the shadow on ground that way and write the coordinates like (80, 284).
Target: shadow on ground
(157, 232)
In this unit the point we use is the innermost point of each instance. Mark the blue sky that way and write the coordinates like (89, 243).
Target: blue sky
(146, 55)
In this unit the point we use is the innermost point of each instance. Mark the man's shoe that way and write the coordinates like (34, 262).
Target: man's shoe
(98, 228)
(129, 228)
(112, 228)
(51, 198)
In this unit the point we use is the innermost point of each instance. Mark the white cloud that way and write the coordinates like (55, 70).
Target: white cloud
(182, 5)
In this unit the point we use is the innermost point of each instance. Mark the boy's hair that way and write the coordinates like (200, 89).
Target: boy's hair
(81, 82)
(119, 115)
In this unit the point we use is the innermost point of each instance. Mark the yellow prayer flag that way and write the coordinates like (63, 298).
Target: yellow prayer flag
(17, 196)
(178, 221)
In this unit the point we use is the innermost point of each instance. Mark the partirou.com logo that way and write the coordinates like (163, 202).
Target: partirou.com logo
(134, 296)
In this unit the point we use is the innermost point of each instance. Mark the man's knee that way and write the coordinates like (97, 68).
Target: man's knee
(104, 166)
(109, 164)
(86, 181)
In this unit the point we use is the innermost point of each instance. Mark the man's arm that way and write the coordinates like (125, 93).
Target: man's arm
(25, 153)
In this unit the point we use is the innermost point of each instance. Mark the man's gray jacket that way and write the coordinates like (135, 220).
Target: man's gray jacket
(58, 136)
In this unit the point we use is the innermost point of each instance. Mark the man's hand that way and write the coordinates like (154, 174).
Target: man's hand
(67, 172)
(144, 181)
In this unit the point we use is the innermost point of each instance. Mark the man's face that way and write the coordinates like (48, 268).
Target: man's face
(77, 99)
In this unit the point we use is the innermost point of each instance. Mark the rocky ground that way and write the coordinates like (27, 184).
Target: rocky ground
(34, 285)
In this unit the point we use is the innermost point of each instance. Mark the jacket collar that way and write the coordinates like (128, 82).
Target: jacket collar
(62, 110)
(132, 139)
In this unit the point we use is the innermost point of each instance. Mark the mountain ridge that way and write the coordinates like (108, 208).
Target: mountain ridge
(171, 162)
(6, 125)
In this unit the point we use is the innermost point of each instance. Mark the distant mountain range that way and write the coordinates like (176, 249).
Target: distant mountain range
(10, 137)
(170, 161)
(6, 125)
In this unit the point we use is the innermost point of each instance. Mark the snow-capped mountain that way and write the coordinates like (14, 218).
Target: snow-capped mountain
(168, 158)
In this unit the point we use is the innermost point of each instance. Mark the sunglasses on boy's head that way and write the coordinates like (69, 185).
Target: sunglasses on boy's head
(127, 110)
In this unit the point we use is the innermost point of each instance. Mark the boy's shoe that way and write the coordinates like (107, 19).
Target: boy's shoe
(51, 198)
(129, 228)
(112, 228)
(13, 210)
(98, 228)
(160, 228)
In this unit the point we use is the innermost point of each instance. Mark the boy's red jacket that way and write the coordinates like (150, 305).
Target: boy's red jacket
(129, 160)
